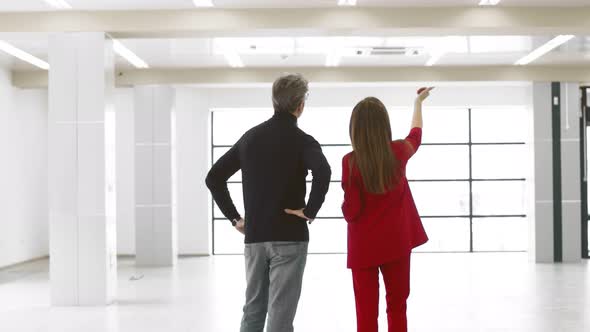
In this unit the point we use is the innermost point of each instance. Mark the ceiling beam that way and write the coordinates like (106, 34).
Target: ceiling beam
(325, 21)
(38, 79)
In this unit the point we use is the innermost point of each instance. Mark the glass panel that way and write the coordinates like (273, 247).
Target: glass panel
(499, 125)
(334, 156)
(499, 198)
(500, 234)
(332, 206)
(331, 125)
(450, 234)
(327, 125)
(328, 236)
(217, 153)
(441, 198)
(445, 125)
(227, 239)
(235, 190)
(400, 120)
(230, 125)
(432, 198)
(439, 162)
(500, 161)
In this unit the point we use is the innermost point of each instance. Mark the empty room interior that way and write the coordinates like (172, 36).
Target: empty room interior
(115, 116)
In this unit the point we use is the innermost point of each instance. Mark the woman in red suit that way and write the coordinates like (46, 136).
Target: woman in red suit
(383, 222)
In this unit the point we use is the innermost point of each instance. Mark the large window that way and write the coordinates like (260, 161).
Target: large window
(467, 178)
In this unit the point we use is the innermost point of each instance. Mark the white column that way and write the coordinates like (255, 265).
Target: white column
(193, 134)
(155, 222)
(125, 171)
(542, 216)
(82, 170)
(543, 228)
(571, 173)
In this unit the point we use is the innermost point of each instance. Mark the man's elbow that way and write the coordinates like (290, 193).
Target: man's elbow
(210, 181)
(326, 172)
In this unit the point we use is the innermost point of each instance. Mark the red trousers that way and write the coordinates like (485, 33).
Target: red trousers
(396, 276)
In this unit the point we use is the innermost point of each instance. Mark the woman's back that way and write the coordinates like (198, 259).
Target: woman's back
(383, 222)
(382, 226)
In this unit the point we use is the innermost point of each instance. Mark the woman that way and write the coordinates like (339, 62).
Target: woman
(383, 222)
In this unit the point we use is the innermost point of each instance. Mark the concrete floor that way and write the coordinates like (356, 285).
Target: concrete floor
(450, 292)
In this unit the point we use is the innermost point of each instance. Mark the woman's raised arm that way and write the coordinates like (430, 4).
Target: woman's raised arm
(417, 117)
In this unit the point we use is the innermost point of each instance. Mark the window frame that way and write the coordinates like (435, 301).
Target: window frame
(471, 216)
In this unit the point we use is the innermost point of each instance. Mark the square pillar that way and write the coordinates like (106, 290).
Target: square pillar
(557, 217)
(542, 217)
(82, 202)
(571, 175)
(194, 161)
(155, 218)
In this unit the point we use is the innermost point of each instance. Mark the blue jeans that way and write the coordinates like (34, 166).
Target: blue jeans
(274, 273)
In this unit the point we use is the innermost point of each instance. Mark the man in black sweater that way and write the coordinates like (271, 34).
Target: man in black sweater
(274, 157)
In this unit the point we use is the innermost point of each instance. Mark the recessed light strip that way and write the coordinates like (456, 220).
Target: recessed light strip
(59, 4)
(489, 2)
(233, 58)
(126, 53)
(544, 49)
(18, 53)
(434, 58)
(346, 2)
(203, 3)
(333, 59)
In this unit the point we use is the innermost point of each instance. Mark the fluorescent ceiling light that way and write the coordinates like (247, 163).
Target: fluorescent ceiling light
(544, 49)
(126, 53)
(489, 2)
(434, 58)
(233, 58)
(59, 4)
(333, 59)
(346, 2)
(441, 46)
(500, 44)
(18, 53)
(229, 47)
(203, 3)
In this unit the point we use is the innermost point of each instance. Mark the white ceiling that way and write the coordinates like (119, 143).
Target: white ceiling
(311, 51)
(40, 5)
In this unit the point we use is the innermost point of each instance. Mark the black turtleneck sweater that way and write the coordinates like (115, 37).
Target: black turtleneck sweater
(274, 157)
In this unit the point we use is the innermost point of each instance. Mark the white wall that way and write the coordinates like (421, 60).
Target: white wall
(23, 173)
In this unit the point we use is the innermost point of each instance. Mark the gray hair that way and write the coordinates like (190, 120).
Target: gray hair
(288, 92)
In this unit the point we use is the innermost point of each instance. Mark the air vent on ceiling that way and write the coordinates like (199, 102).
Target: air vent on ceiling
(389, 51)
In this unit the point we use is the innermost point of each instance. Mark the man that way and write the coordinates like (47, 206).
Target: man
(274, 157)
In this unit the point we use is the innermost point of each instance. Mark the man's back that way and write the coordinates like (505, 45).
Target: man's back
(274, 158)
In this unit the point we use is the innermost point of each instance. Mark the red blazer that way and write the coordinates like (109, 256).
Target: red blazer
(381, 227)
